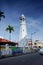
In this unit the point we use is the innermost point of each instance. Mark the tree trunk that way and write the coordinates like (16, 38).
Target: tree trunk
(0, 50)
(10, 36)
(0, 18)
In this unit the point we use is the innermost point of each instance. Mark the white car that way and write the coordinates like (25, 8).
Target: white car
(41, 51)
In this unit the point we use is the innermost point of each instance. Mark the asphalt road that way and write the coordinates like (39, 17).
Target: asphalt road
(29, 59)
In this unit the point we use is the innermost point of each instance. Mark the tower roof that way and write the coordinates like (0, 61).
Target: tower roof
(22, 16)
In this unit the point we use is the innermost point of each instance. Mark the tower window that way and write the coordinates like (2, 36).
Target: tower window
(20, 18)
(23, 19)
(23, 30)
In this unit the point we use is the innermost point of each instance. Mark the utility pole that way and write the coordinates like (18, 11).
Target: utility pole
(31, 40)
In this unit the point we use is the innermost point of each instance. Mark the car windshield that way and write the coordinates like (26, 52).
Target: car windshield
(42, 48)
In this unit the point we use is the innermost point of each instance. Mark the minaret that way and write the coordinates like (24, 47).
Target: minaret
(23, 31)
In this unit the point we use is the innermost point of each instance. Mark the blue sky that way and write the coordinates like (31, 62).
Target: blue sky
(13, 9)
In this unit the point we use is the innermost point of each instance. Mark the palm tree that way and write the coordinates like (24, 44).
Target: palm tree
(10, 29)
(1, 15)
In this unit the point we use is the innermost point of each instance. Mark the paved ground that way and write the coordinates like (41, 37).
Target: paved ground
(29, 59)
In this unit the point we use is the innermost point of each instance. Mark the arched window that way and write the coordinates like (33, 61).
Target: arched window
(35, 43)
(39, 46)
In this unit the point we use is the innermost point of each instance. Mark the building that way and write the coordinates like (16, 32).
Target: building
(6, 46)
(23, 32)
(38, 44)
(35, 44)
(5, 41)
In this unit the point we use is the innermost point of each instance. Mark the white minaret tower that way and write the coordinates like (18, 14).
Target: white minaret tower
(23, 31)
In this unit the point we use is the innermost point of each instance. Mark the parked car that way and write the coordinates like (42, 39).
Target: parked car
(41, 51)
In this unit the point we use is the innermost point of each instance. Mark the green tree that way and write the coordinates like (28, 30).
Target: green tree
(1, 15)
(10, 29)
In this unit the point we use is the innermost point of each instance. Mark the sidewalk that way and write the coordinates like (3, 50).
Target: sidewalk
(7, 56)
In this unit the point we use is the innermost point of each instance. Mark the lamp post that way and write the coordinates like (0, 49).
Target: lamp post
(31, 40)
(26, 41)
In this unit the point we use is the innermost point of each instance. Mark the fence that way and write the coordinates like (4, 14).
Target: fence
(12, 50)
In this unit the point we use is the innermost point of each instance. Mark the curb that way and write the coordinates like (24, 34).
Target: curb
(8, 56)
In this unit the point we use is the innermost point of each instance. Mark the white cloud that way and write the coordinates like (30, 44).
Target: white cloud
(36, 23)
(1, 37)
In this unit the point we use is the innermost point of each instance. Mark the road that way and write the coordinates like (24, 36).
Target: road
(29, 59)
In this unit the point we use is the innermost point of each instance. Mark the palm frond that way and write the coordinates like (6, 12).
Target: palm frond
(3, 16)
(1, 12)
(7, 29)
(10, 29)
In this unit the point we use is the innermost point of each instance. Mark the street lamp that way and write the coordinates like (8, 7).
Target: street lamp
(31, 40)
(26, 41)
